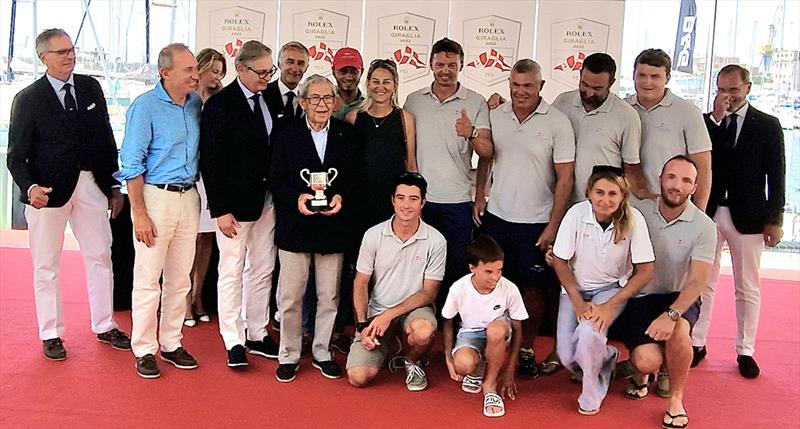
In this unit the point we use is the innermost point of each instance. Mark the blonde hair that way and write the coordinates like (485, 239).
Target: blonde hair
(389, 66)
(206, 58)
(622, 218)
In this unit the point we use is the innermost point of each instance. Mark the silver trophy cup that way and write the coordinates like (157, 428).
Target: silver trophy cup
(318, 182)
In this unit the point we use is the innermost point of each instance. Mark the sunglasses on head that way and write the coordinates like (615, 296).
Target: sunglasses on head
(382, 62)
(608, 169)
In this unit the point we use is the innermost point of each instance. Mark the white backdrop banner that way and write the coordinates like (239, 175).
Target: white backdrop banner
(569, 31)
(494, 36)
(405, 31)
(323, 27)
(226, 25)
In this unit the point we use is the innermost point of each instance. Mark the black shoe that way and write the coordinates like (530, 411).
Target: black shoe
(305, 347)
(748, 366)
(341, 342)
(180, 358)
(286, 372)
(266, 347)
(147, 367)
(328, 368)
(54, 349)
(698, 354)
(237, 356)
(527, 364)
(118, 339)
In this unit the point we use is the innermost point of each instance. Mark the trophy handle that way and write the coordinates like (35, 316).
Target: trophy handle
(335, 173)
(306, 171)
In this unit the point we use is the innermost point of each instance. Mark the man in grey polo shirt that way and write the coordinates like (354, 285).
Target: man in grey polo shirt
(532, 182)
(670, 125)
(451, 122)
(406, 258)
(607, 129)
(656, 325)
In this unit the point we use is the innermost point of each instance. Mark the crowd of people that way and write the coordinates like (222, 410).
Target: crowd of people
(603, 217)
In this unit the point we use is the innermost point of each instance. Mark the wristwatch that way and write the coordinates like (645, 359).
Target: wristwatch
(673, 314)
(360, 326)
(474, 133)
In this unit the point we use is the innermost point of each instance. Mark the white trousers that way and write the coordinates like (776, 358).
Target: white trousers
(87, 213)
(243, 294)
(746, 259)
(175, 216)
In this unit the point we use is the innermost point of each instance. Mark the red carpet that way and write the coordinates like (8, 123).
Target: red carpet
(98, 386)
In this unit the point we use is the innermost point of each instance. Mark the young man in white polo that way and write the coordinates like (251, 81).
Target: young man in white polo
(406, 259)
(656, 324)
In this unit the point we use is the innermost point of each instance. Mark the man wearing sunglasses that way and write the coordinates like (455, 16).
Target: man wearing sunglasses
(234, 153)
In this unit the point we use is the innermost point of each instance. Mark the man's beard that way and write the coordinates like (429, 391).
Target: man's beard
(672, 204)
(594, 101)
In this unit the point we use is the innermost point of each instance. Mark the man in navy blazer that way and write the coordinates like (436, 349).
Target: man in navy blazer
(62, 155)
(747, 196)
(234, 161)
(318, 143)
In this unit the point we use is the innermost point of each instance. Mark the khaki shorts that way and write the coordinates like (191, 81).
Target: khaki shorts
(359, 356)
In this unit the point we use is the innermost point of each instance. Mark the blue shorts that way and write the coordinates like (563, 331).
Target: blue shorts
(475, 340)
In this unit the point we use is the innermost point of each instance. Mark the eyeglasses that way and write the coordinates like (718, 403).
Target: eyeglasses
(63, 52)
(316, 99)
(381, 62)
(264, 74)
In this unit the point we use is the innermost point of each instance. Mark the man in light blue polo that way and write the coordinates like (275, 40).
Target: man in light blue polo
(159, 162)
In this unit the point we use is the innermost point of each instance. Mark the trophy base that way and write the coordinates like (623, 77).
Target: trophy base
(317, 205)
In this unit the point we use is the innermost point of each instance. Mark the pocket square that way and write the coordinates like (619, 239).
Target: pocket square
(91, 106)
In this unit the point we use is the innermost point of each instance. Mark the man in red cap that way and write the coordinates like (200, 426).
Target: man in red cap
(347, 69)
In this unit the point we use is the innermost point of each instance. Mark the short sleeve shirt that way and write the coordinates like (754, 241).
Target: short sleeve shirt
(523, 177)
(692, 236)
(479, 310)
(398, 268)
(443, 157)
(608, 135)
(672, 127)
(595, 259)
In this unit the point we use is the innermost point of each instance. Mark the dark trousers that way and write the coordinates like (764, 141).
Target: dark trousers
(454, 221)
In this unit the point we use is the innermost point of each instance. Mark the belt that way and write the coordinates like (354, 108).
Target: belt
(174, 188)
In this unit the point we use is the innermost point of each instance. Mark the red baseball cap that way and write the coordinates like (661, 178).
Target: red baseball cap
(347, 57)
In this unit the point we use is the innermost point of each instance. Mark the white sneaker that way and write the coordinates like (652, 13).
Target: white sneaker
(189, 322)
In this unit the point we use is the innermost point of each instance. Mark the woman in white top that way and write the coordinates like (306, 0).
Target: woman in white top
(603, 256)
(212, 68)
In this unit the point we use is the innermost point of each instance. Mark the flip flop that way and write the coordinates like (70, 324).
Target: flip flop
(637, 391)
(672, 418)
(471, 384)
(550, 365)
(493, 400)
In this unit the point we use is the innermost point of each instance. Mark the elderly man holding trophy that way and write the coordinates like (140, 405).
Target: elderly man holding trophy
(311, 175)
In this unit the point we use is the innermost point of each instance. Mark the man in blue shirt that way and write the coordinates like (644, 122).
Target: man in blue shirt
(159, 162)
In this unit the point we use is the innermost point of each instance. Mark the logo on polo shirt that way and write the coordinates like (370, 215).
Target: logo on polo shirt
(496, 307)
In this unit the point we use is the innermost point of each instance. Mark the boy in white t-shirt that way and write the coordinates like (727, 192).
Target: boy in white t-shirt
(491, 312)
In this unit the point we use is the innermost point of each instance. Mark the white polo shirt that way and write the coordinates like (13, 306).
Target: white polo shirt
(398, 268)
(692, 236)
(523, 177)
(479, 310)
(595, 259)
(443, 157)
(672, 127)
(608, 135)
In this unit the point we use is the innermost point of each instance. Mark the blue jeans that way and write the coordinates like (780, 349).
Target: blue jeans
(454, 221)
(584, 350)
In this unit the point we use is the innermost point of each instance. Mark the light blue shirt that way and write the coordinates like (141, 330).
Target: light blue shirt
(320, 139)
(264, 109)
(58, 87)
(161, 139)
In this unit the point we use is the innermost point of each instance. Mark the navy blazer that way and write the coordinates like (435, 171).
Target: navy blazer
(48, 146)
(753, 172)
(234, 155)
(293, 150)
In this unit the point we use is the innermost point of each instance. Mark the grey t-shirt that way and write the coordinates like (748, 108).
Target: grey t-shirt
(692, 236)
(443, 157)
(523, 177)
(398, 268)
(608, 135)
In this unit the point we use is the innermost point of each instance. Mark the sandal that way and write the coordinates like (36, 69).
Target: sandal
(637, 391)
(672, 418)
(551, 364)
(662, 384)
(471, 384)
(493, 400)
